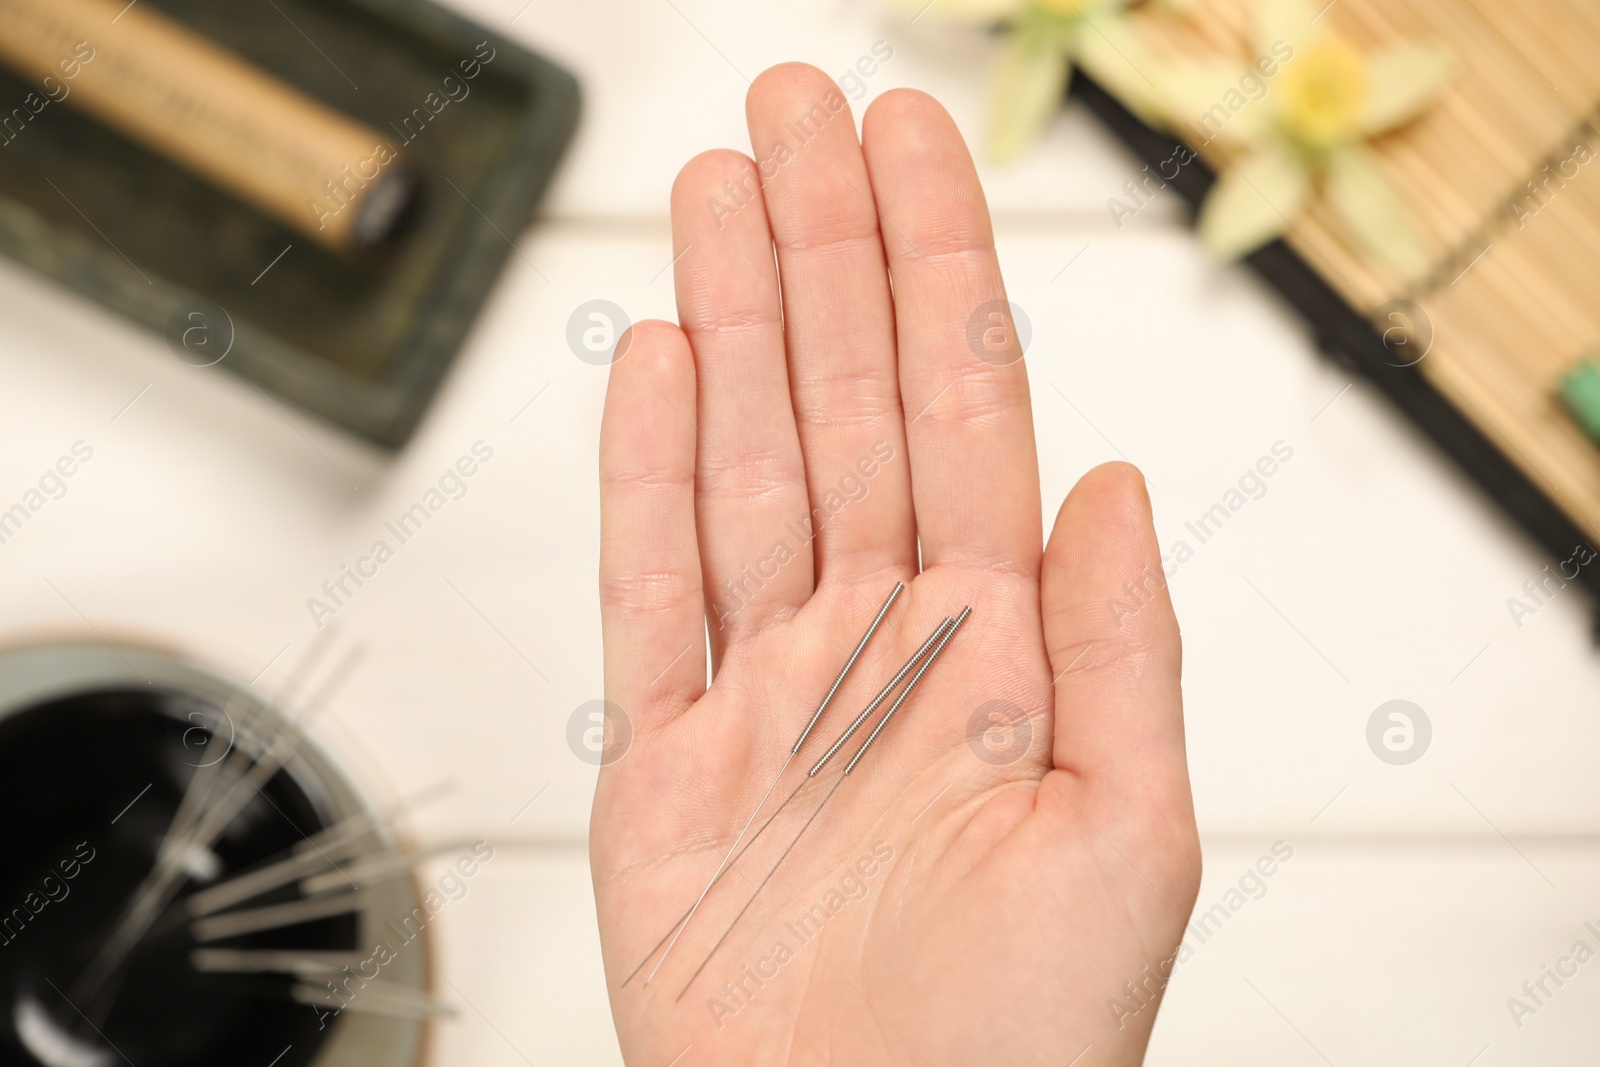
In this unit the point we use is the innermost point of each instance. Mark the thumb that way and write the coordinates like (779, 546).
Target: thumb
(1113, 642)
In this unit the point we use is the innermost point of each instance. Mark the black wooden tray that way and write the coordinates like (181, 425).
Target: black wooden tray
(362, 342)
(1345, 335)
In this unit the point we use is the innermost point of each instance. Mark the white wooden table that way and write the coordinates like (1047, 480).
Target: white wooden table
(1419, 898)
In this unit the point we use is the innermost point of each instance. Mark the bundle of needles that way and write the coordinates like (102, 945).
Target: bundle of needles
(916, 667)
(246, 930)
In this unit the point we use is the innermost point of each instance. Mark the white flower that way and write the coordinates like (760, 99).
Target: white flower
(1310, 128)
(1044, 39)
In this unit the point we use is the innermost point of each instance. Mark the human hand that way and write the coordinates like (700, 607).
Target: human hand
(952, 903)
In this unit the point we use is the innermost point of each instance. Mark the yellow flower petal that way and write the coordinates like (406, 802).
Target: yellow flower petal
(1203, 101)
(1288, 21)
(1369, 205)
(1253, 201)
(1402, 81)
(1029, 85)
(1111, 52)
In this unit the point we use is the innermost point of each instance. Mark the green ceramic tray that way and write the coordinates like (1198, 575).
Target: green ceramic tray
(362, 342)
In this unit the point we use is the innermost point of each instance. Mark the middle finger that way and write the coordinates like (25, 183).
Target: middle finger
(839, 323)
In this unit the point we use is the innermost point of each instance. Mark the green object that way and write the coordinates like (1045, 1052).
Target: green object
(1580, 391)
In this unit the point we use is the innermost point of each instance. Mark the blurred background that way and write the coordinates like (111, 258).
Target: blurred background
(1427, 883)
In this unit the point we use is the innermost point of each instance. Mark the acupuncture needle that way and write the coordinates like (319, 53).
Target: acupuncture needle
(933, 657)
(758, 889)
(748, 845)
(153, 894)
(948, 630)
(340, 841)
(894, 594)
(837, 744)
(883, 695)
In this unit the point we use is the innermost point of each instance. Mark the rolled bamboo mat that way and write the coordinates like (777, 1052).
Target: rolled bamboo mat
(1513, 290)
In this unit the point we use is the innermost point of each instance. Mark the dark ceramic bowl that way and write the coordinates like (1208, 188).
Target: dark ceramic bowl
(96, 748)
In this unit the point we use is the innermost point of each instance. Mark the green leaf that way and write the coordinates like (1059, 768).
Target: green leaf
(979, 12)
(1289, 21)
(1254, 201)
(1402, 80)
(1368, 204)
(1198, 95)
(1030, 83)
(1111, 52)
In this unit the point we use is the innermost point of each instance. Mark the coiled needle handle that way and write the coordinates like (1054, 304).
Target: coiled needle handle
(933, 658)
(833, 690)
(883, 695)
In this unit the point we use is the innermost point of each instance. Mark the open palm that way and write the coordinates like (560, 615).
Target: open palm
(1006, 875)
